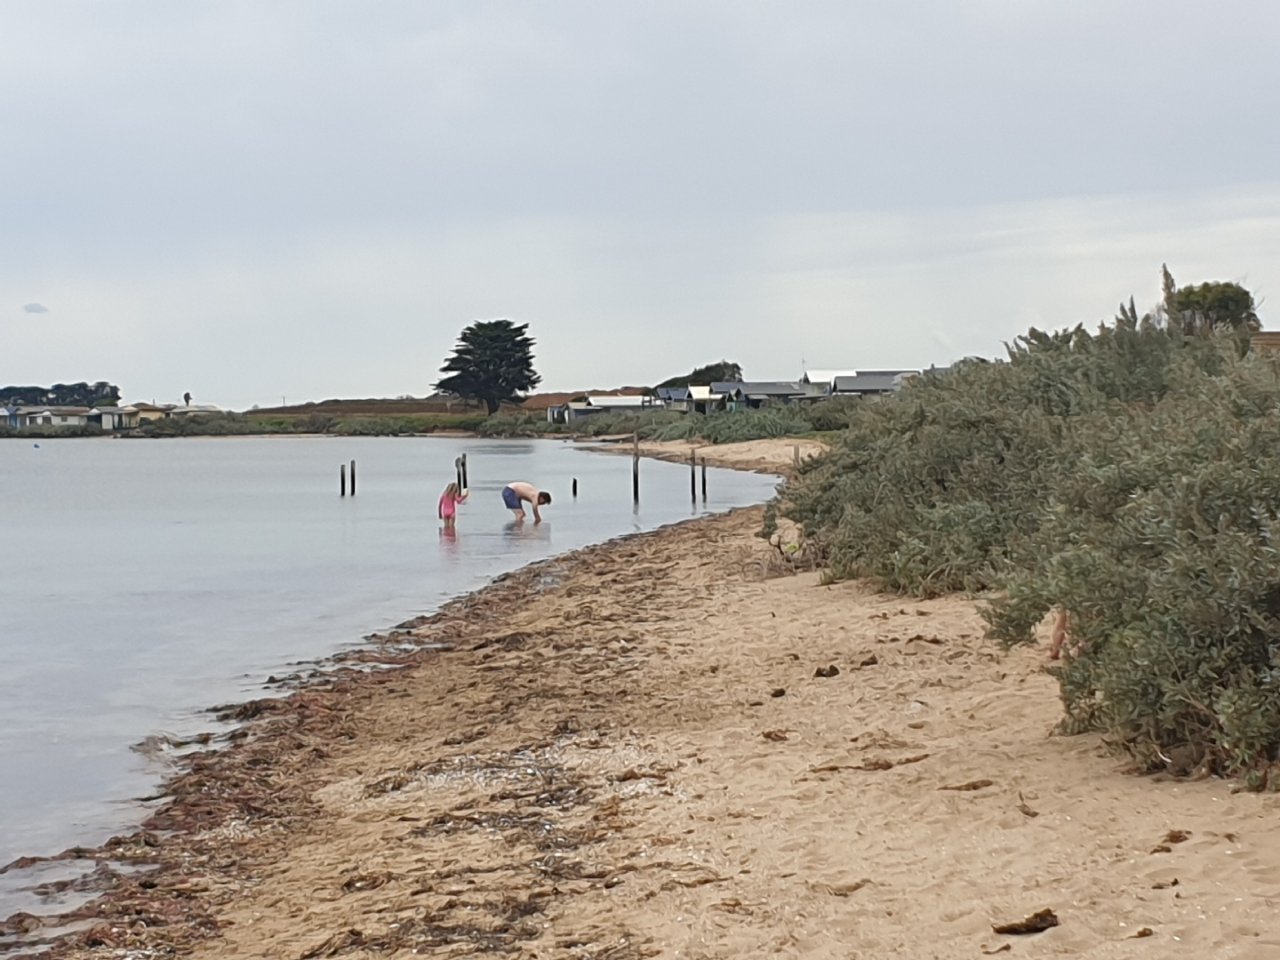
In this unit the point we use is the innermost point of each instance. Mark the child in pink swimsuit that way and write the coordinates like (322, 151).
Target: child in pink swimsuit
(449, 501)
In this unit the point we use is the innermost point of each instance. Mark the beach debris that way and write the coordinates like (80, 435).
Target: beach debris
(840, 889)
(970, 785)
(1025, 810)
(872, 763)
(870, 661)
(777, 692)
(827, 672)
(366, 881)
(631, 773)
(1172, 837)
(1144, 932)
(467, 736)
(1038, 922)
(1164, 884)
(565, 727)
(921, 638)
(1003, 948)
(777, 736)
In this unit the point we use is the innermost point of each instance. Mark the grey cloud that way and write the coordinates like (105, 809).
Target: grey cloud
(35, 308)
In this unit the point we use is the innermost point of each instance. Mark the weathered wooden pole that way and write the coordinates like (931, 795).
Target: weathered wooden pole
(635, 468)
(795, 454)
(464, 472)
(342, 480)
(704, 479)
(693, 477)
(353, 478)
(457, 469)
(575, 488)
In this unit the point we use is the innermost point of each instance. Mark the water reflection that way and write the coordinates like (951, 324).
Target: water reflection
(527, 530)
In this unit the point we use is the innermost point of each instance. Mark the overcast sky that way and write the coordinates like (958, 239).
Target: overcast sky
(309, 199)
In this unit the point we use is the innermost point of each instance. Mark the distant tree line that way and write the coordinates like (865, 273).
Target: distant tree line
(63, 395)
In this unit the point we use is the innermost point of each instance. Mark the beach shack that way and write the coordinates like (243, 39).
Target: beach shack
(52, 416)
(752, 395)
(702, 400)
(821, 383)
(674, 398)
(107, 417)
(868, 383)
(141, 413)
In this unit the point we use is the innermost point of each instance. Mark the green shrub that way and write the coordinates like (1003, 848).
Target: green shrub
(1130, 477)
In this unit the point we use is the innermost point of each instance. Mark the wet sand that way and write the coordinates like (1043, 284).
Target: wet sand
(664, 747)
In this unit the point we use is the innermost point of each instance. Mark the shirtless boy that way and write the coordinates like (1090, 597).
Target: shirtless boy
(516, 495)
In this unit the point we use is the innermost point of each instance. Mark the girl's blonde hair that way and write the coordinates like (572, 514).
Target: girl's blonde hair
(451, 490)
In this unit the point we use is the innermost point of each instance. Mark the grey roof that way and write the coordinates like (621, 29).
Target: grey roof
(867, 383)
(759, 388)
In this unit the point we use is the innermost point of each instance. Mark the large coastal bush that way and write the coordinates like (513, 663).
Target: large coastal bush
(1130, 477)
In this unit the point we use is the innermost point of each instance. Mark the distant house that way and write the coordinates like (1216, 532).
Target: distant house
(674, 398)
(751, 395)
(568, 412)
(9, 416)
(52, 416)
(632, 404)
(866, 383)
(107, 417)
(702, 400)
(1265, 341)
(140, 413)
(820, 383)
(601, 403)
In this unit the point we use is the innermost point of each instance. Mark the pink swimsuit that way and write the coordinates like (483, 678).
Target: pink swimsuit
(449, 505)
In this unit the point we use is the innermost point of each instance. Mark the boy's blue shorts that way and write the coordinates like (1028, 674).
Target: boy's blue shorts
(511, 499)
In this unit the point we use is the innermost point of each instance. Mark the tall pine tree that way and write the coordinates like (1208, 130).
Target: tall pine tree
(493, 362)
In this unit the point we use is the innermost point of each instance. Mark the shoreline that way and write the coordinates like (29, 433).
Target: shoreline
(773, 456)
(213, 795)
(107, 864)
(640, 749)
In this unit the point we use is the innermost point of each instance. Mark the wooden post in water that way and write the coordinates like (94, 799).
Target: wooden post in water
(704, 479)
(342, 480)
(635, 468)
(693, 477)
(353, 478)
(575, 488)
(457, 469)
(464, 472)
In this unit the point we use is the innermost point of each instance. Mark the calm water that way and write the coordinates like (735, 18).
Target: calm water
(146, 580)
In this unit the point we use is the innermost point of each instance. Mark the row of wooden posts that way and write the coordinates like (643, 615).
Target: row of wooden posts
(635, 474)
(460, 468)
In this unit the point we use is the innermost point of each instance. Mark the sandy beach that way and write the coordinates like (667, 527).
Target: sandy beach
(666, 747)
(765, 456)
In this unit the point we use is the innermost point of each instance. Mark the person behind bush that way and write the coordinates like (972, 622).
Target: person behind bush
(448, 506)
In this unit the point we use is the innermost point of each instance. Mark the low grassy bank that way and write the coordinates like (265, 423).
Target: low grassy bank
(807, 420)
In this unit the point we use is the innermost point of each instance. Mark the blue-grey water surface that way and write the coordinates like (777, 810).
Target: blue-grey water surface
(146, 580)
